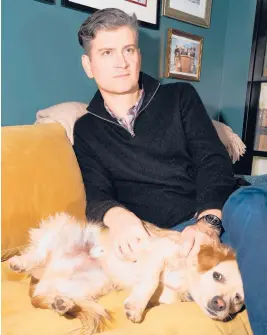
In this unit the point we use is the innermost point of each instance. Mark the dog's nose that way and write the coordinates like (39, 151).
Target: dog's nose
(218, 304)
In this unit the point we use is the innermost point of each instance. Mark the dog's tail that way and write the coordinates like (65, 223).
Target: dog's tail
(92, 315)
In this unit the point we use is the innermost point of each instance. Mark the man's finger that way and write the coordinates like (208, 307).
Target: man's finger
(195, 249)
(118, 251)
(188, 235)
(187, 245)
(135, 245)
(127, 251)
(200, 239)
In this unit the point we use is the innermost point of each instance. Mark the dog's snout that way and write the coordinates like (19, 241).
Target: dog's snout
(217, 304)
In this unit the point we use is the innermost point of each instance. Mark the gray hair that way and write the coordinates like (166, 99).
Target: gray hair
(105, 19)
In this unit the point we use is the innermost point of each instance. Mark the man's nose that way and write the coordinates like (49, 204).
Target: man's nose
(217, 304)
(121, 60)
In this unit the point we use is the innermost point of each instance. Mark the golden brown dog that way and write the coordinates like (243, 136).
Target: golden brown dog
(73, 263)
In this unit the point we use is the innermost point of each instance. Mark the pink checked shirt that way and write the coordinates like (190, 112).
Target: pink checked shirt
(128, 121)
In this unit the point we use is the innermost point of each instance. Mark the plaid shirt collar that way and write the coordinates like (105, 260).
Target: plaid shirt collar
(128, 121)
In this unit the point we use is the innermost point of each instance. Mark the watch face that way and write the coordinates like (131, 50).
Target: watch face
(213, 220)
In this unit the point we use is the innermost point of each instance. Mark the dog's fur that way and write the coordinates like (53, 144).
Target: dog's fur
(72, 264)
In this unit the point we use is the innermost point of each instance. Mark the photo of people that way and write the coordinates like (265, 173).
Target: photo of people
(183, 58)
(138, 2)
(195, 1)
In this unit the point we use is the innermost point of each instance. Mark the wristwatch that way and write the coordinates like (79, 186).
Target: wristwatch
(213, 221)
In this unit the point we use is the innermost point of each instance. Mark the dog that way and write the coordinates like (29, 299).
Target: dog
(72, 264)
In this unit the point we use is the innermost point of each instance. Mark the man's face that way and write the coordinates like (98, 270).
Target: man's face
(114, 60)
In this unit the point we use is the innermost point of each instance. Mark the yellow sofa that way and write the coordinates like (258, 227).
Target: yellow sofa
(40, 176)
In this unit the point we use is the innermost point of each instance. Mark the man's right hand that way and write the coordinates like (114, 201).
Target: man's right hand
(127, 232)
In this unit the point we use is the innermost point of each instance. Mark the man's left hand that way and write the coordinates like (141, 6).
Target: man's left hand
(196, 235)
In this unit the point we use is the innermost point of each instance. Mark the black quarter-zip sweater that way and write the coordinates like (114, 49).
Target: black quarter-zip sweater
(173, 167)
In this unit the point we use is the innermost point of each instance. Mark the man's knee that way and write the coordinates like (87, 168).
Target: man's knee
(246, 204)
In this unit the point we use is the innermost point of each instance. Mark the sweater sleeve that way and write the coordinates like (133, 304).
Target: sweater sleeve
(97, 182)
(214, 173)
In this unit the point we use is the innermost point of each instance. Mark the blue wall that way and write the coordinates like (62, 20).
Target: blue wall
(41, 57)
(238, 40)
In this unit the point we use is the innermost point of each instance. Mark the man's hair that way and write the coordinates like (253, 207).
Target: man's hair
(105, 19)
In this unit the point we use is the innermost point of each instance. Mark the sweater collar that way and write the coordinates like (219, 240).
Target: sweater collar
(149, 84)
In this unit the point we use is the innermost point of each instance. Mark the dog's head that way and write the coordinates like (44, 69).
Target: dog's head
(215, 282)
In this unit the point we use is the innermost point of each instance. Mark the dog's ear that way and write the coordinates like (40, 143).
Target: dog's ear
(211, 255)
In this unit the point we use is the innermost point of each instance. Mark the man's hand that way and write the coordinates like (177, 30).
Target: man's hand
(196, 235)
(127, 232)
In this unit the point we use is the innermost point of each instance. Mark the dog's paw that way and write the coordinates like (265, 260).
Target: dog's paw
(15, 264)
(185, 297)
(62, 305)
(133, 312)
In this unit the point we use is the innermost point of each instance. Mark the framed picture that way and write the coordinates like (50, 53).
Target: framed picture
(147, 11)
(196, 12)
(183, 55)
(50, 2)
(139, 2)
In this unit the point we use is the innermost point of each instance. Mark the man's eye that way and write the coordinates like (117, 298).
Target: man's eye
(106, 53)
(130, 50)
(217, 276)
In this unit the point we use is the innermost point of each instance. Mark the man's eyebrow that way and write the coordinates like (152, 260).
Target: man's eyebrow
(130, 45)
(103, 49)
(126, 46)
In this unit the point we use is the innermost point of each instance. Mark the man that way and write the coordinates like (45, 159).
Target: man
(146, 151)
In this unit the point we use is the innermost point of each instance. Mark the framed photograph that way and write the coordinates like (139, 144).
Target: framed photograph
(139, 2)
(50, 2)
(147, 11)
(183, 55)
(196, 12)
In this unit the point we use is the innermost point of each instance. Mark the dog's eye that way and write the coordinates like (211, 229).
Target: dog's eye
(217, 276)
(238, 297)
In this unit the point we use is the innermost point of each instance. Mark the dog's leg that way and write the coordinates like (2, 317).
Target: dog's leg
(46, 296)
(76, 299)
(150, 268)
(29, 259)
(62, 305)
(185, 297)
(57, 303)
(145, 287)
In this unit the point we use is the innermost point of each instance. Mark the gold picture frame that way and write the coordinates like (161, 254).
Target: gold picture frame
(183, 55)
(197, 12)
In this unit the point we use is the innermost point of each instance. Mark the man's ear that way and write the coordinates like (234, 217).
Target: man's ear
(140, 56)
(86, 63)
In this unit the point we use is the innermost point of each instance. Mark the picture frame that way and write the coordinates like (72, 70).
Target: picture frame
(49, 2)
(196, 12)
(147, 11)
(183, 55)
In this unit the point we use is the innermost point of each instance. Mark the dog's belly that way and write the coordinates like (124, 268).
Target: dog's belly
(123, 274)
(70, 263)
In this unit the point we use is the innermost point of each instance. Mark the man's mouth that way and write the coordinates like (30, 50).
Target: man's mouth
(121, 75)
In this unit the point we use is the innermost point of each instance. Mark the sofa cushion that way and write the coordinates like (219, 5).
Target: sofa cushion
(19, 317)
(40, 176)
